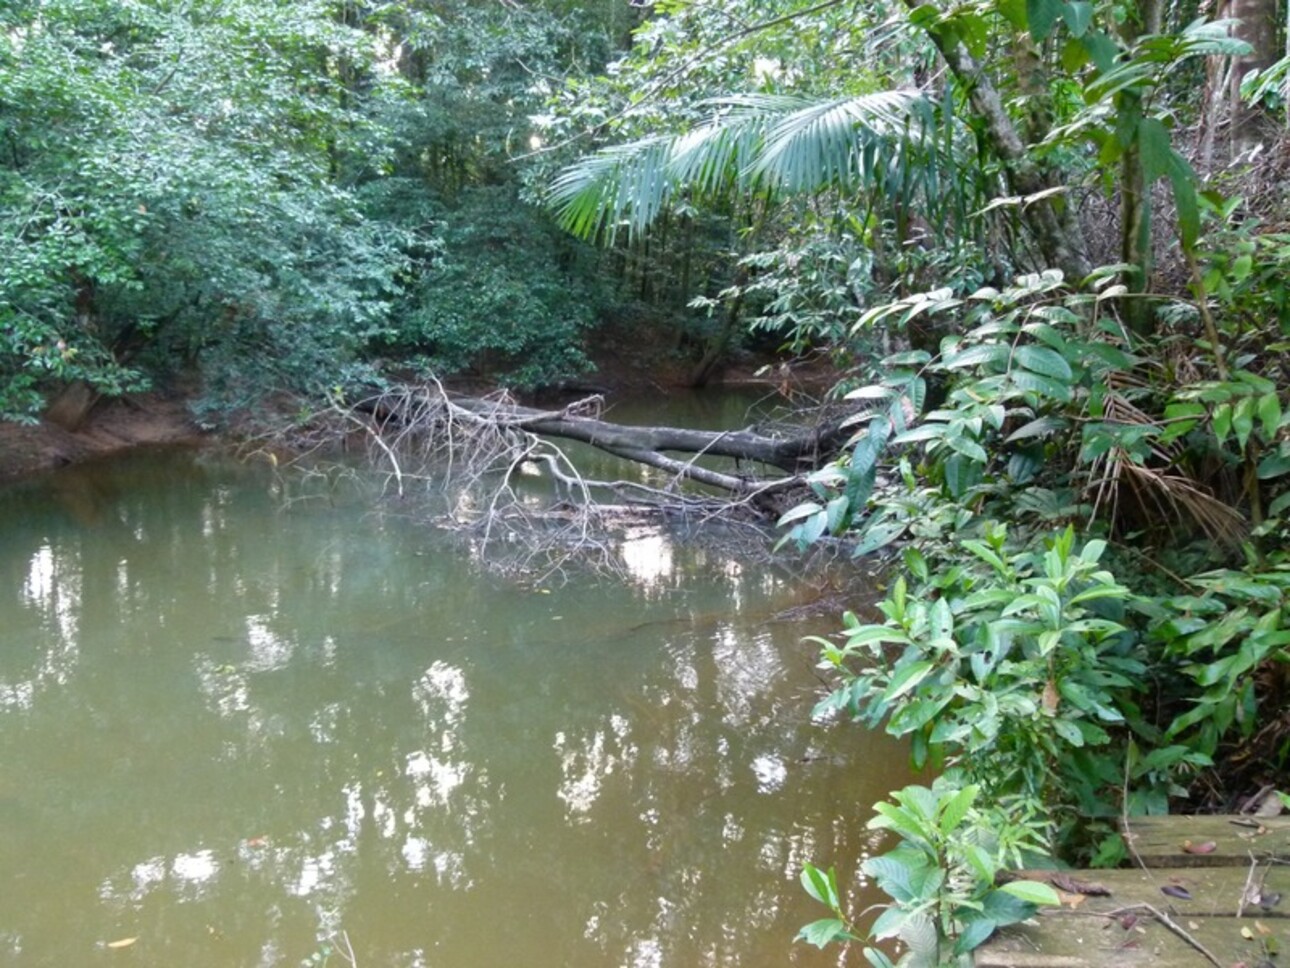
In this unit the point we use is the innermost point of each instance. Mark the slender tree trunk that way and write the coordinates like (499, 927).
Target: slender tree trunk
(1052, 221)
(1258, 27)
(1135, 198)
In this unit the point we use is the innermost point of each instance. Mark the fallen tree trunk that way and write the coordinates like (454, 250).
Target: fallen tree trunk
(479, 451)
(497, 432)
(802, 451)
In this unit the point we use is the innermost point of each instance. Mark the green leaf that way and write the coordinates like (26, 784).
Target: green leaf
(1222, 421)
(1041, 359)
(1183, 181)
(1044, 386)
(1041, 15)
(956, 808)
(797, 513)
(907, 678)
(1243, 421)
(1078, 14)
(1032, 892)
(824, 932)
(1154, 148)
(968, 447)
(820, 885)
(975, 933)
(1270, 414)
(961, 474)
(978, 356)
(893, 875)
(1102, 50)
(889, 924)
(1039, 427)
(878, 536)
(1068, 731)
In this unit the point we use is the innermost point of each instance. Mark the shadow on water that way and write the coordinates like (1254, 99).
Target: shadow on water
(227, 728)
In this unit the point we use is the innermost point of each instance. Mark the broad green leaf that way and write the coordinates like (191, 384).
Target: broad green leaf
(1270, 414)
(1183, 180)
(889, 923)
(893, 874)
(1041, 15)
(915, 434)
(907, 678)
(1041, 359)
(1154, 149)
(819, 885)
(919, 933)
(1013, 11)
(968, 447)
(1078, 14)
(799, 512)
(1102, 50)
(975, 933)
(962, 473)
(1039, 427)
(978, 356)
(878, 536)
(1222, 421)
(956, 808)
(824, 932)
(1074, 55)
(1044, 386)
(1032, 892)
(1068, 731)
(1243, 421)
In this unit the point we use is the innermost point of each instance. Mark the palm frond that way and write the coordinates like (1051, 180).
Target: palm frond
(842, 143)
(592, 195)
(756, 142)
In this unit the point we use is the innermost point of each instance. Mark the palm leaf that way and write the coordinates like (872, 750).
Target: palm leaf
(590, 196)
(840, 143)
(755, 142)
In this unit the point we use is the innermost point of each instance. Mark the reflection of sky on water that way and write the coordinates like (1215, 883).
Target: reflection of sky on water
(51, 593)
(280, 722)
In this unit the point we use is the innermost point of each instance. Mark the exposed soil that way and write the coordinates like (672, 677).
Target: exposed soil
(112, 426)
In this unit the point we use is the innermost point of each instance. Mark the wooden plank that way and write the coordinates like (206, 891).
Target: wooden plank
(1215, 891)
(1080, 941)
(1159, 840)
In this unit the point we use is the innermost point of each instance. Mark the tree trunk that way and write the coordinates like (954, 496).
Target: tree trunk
(1135, 197)
(1052, 221)
(1258, 27)
(802, 451)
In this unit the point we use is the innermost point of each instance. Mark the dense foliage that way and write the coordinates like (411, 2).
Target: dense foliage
(1076, 434)
(281, 195)
(1043, 241)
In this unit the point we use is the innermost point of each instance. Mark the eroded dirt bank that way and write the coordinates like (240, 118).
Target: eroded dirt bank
(112, 426)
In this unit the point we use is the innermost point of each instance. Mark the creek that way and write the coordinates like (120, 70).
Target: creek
(230, 727)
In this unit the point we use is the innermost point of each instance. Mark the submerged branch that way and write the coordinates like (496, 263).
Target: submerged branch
(477, 459)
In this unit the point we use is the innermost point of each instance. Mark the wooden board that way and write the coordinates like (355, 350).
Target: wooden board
(1248, 872)
(1075, 941)
(1159, 840)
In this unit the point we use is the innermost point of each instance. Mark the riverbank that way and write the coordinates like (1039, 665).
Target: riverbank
(112, 426)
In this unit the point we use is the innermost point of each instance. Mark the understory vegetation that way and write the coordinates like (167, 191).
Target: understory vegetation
(1045, 245)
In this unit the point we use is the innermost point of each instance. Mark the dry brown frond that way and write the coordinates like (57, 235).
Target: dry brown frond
(1188, 500)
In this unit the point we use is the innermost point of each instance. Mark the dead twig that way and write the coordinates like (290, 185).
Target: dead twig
(1173, 926)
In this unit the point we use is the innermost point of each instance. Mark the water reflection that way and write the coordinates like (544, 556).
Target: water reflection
(226, 728)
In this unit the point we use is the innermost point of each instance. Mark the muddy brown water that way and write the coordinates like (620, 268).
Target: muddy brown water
(230, 729)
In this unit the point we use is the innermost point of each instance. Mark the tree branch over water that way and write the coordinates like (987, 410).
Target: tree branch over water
(424, 432)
